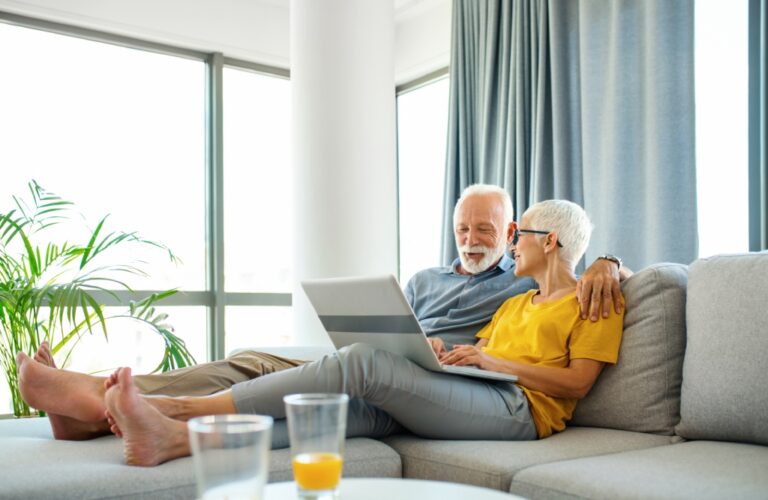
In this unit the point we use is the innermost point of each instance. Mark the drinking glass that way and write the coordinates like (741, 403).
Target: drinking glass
(317, 425)
(230, 455)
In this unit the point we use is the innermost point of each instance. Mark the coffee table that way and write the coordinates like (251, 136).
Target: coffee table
(387, 489)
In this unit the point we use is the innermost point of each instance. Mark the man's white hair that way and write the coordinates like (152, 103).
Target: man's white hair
(484, 190)
(569, 220)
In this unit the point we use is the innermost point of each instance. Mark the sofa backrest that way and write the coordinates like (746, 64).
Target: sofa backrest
(725, 373)
(642, 391)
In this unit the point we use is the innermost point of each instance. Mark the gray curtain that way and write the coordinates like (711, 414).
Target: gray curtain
(758, 134)
(588, 100)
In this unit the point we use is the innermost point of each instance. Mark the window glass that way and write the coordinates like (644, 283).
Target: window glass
(258, 208)
(722, 103)
(118, 131)
(249, 327)
(422, 124)
(132, 343)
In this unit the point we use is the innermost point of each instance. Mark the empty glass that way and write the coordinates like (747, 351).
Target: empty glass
(230, 455)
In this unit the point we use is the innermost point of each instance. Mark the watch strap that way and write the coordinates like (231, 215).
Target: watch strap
(612, 258)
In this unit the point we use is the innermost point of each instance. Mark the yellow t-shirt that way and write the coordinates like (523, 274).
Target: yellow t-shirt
(550, 334)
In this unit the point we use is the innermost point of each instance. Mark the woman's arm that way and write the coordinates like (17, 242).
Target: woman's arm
(574, 381)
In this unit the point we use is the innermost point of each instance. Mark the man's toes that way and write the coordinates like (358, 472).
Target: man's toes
(123, 376)
(110, 381)
(21, 358)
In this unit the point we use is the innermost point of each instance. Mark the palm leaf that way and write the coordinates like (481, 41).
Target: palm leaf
(48, 292)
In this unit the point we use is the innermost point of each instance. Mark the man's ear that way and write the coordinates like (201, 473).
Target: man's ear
(511, 232)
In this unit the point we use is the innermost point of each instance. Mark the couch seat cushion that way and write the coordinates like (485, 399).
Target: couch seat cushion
(34, 465)
(641, 392)
(492, 464)
(696, 469)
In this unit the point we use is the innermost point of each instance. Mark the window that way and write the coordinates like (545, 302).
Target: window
(422, 125)
(119, 126)
(257, 182)
(721, 49)
(113, 129)
(258, 208)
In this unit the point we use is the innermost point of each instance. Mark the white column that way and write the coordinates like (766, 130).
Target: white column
(343, 145)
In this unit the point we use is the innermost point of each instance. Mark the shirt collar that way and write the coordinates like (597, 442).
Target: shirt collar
(504, 264)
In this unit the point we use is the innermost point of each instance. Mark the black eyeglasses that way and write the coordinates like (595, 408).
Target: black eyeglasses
(533, 231)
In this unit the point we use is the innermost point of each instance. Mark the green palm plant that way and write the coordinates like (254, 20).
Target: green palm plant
(48, 291)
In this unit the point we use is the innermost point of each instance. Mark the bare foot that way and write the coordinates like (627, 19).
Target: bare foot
(44, 355)
(172, 407)
(113, 427)
(74, 401)
(149, 437)
(66, 427)
(71, 429)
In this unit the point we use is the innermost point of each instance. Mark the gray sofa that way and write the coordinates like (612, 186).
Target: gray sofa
(684, 414)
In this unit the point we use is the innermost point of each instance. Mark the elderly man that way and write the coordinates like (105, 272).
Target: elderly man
(452, 304)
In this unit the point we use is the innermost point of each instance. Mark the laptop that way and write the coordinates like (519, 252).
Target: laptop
(374, 310)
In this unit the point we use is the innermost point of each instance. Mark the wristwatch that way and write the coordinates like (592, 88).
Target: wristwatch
(612, 258)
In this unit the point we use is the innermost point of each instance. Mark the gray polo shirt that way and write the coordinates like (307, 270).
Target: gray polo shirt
(456, 306)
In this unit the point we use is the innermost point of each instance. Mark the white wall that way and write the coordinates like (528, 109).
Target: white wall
(254, 30)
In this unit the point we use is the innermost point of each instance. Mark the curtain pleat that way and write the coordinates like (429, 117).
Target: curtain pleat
(588, 100)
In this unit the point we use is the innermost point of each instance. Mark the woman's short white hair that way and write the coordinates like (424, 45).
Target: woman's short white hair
(484, 190)
(568, 220)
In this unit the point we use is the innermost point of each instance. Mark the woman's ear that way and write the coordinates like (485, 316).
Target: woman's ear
(551, 242)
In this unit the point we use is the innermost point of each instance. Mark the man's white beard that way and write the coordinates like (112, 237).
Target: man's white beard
(490, 257)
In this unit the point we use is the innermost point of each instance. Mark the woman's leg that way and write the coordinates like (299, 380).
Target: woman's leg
(433, 405)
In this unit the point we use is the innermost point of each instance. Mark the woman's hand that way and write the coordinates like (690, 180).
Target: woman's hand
(469, 355)
(437, 345)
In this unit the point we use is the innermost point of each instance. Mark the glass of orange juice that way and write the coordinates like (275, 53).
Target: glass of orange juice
(317, 425)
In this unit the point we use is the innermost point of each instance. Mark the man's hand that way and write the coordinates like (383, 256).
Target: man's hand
(437, 345)
(469, 355)
(598, 290)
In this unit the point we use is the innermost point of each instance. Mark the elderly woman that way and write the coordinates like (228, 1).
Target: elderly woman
(538, 336)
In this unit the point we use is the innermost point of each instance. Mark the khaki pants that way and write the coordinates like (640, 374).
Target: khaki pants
(208, 378)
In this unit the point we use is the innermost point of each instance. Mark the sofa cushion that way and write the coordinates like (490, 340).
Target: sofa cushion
(724, 395)
(641, 392)
(34, 465)
(700, 469)
(492, 464)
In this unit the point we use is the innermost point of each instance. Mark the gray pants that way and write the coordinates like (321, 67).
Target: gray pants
(388, 394)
